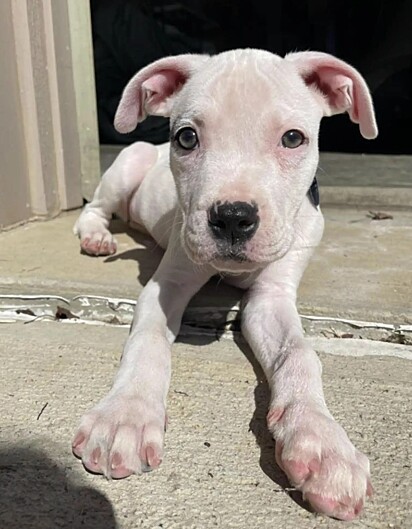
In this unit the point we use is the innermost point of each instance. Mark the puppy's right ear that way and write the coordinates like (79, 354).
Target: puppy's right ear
(153, 89)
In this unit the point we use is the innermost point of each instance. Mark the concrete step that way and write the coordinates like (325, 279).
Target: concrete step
(361, 271)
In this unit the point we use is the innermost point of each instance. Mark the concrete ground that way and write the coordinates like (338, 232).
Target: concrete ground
(219, 467)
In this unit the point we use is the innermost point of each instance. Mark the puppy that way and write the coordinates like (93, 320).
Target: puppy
(233, 193)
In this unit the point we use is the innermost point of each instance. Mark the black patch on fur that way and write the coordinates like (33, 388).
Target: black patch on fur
(314, 193)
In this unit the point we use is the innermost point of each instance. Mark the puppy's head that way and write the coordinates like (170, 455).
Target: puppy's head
(244, 142)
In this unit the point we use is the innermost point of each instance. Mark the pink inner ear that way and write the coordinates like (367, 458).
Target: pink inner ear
(338, 89)
(159, 87)
(343, 87)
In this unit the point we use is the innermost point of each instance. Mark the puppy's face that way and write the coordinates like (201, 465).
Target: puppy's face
(244, 151)
(244, 143)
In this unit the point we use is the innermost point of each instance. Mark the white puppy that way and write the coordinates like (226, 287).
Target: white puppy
(231, 194)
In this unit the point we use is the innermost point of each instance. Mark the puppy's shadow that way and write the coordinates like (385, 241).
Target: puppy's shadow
(148, 254)
(258, 427)
(36, 493)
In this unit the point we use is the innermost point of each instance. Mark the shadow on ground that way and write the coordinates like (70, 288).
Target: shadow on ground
(36, 493)
(148, 257)
(258, 426)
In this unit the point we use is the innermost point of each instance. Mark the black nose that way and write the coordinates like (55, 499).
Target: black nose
(233, 221)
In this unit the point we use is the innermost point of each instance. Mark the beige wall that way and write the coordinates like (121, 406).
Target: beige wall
(49, 157)
(14, 189)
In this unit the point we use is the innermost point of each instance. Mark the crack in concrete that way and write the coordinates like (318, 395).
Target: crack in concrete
(105, 310)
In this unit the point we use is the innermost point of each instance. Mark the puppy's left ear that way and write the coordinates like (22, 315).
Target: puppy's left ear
(343, 88)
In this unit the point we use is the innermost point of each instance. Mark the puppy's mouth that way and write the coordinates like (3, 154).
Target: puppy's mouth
(213, 253)
(231, 252)
(230, 259)
(233, 260)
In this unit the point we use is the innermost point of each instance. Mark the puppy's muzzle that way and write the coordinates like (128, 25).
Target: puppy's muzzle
(233, 222)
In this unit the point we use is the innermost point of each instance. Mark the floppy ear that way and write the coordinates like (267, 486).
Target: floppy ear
(344, 88)
(152, 90)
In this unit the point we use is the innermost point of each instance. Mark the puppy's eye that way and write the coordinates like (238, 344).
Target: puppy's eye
(292, 139)
(186, 138)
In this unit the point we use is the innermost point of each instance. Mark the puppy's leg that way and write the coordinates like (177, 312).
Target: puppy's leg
(112, 196)
(311, 447)
(123, 433)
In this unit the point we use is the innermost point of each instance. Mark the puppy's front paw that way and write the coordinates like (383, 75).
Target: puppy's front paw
(121, 436)
(98, 243)
(317, 456)
(95, 238)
